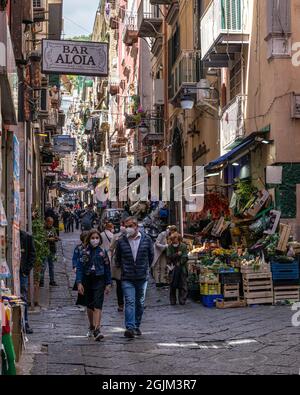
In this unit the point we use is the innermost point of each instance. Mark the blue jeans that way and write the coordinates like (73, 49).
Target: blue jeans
(134, 294)
(24, 281)
(50, 261)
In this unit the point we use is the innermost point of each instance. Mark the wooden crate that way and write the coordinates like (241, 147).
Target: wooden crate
(224, 304)
(286, 292)
(231, 291)
(265, 268)
(285, 232)
(258, 288)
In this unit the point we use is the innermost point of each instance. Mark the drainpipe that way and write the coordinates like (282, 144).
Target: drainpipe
(166, 83)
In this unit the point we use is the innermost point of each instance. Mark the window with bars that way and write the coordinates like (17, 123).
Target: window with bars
(37, 3)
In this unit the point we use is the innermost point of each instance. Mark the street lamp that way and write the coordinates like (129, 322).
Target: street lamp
(143, 128)
(187, 102)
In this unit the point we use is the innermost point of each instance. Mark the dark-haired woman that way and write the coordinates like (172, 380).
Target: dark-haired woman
(93, 278)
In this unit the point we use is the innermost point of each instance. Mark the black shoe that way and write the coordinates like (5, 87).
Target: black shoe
(28, 331)
(129, 334)
(53, 284)
(97, 335)
(42, 284)
(137, 332)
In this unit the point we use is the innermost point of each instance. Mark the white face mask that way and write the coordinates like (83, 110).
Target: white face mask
(122, 229)
(175, 245)
(95, 242)
(130, 232)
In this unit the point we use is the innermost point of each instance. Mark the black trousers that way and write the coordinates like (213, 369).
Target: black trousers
(120, 295)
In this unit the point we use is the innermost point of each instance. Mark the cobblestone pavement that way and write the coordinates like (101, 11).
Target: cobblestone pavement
(176, 339)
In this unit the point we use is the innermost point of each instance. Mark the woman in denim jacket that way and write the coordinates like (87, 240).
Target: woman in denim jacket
(93, 279)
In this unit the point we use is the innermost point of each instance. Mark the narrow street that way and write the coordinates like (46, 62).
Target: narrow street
(182, 340)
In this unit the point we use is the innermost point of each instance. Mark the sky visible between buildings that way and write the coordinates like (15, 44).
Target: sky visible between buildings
(79, 17)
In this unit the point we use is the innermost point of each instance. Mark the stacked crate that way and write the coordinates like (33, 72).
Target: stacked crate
(231, 290)
(258, 285)
(286, 281)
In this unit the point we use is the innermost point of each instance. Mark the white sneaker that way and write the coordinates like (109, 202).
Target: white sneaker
(90, 332)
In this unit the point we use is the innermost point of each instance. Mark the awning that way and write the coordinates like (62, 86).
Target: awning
(247, 145)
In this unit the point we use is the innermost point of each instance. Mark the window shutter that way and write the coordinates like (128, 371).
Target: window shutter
(279, 16)
(231, 14)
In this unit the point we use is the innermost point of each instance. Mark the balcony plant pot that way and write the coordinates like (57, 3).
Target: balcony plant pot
(130, 121)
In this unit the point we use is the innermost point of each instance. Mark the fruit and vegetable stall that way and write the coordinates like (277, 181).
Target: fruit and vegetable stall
(245, 258)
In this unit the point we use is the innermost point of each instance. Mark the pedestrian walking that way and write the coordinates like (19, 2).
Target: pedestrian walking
(177, 257)
(93, 278)
(71, 221)
(159, 265)
(107, 235)
(65, 218)
(88, 218)
(52, 239)
(134, 255)
(28, 257)
(77, 253)
(116, 271)
(77, 217)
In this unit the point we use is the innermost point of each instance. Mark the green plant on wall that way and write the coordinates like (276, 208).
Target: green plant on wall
(135, 102)
(41, 246)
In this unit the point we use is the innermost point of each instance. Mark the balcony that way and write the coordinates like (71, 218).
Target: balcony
(130, 35)
(149, 19)
(173, 12)
(224, 29)
(233, 123)
(160, 2)
(184, 76)
(157, 46)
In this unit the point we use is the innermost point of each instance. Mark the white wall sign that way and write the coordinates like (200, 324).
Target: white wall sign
(274, 174)
(75, 57)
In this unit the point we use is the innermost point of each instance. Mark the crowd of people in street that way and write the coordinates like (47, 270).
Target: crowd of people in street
(126, 257)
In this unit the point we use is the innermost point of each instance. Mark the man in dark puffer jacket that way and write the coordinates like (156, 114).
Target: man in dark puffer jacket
(134, 255)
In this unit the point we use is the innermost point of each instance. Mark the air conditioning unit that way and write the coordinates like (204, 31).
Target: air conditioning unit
(295, 101)
(203, 92)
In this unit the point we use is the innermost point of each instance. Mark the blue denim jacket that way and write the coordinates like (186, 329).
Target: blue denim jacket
(96, 257)
(77, 255)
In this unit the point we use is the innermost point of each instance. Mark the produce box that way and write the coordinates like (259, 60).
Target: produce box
(285, 271)
(251, 269)
(223, 304)
(211, 300)
(210, 289)
(230, 278)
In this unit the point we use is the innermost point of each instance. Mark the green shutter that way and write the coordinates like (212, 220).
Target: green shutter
(231, 14)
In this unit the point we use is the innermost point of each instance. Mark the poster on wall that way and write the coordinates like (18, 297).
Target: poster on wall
(16, 219)
(4, 269)
(3, 219)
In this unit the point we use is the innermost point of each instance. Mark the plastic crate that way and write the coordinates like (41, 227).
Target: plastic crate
(210, 300)
(285, 271)
(210, 289)
(230, 277)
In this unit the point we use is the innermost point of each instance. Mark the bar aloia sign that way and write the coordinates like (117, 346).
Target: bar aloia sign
(75, 57)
